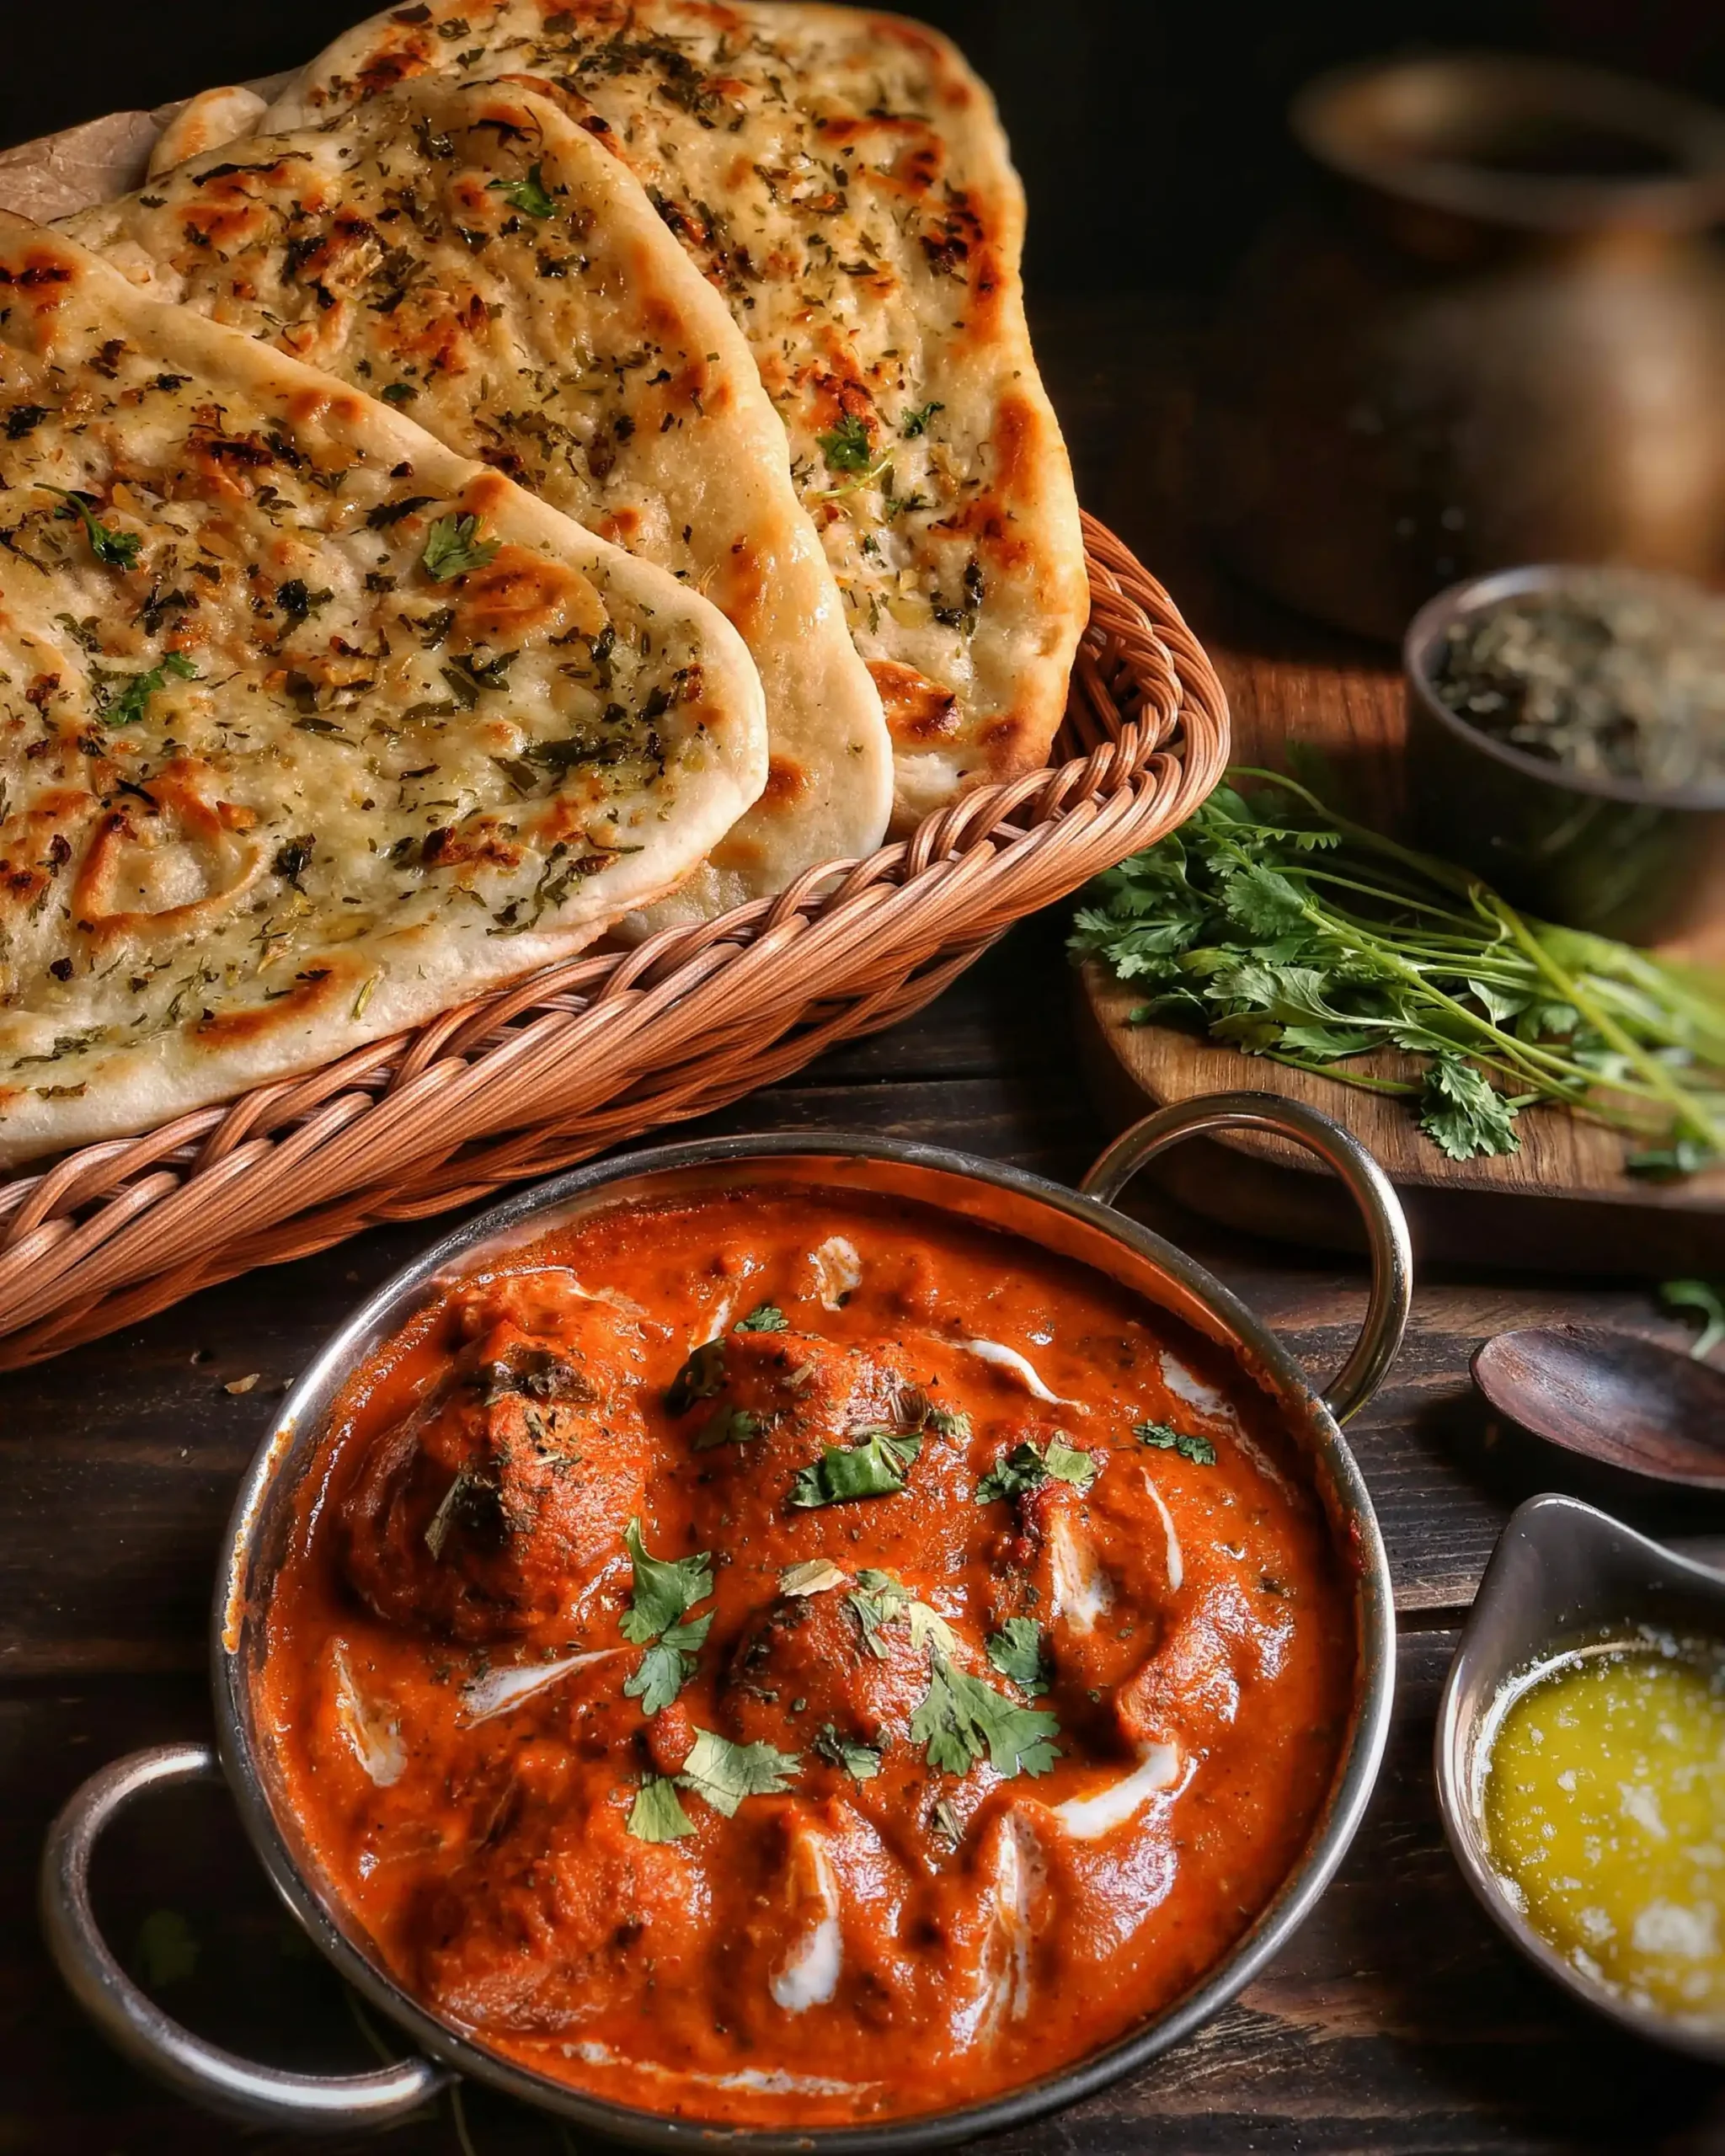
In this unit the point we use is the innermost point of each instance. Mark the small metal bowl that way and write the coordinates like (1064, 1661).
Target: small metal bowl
(1606, 855)
(1562, 1576)
(1081, 1227)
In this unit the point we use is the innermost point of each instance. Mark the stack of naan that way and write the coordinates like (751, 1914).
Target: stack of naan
(569, 465)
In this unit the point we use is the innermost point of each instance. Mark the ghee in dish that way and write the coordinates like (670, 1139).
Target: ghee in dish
(1605, 1813)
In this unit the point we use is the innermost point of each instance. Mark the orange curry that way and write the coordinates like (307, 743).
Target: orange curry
(788, 1658)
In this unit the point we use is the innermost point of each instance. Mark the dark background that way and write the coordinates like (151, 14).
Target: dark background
(1149, 131)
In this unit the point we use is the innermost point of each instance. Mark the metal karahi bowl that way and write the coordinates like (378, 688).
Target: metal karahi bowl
(1081, 1227)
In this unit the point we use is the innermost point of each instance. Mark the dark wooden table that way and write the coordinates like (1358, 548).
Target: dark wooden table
(1395, 2022)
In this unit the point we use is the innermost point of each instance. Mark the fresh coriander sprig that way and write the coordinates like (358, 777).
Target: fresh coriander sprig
(127, 705)
(765, 1317)
(1029, 1465)
(453, 546)
(716, 1769)
(1163, 1436)
(961, 1719)
(847, 447)
(1292, 932)
(664, 1590)
(873, 1464)
(1019, 1650)
(119, 550)
(530, 196)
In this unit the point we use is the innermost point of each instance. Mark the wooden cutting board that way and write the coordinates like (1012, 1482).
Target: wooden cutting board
(1562, 1203)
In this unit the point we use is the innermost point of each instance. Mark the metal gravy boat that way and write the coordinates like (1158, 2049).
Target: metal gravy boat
(1563, 1575)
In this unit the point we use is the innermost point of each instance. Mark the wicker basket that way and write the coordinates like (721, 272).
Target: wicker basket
(586, 1054)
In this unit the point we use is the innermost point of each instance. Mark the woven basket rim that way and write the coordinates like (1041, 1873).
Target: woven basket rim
(597, 1048)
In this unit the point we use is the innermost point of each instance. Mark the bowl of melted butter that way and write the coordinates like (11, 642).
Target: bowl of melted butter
(1581, 1767)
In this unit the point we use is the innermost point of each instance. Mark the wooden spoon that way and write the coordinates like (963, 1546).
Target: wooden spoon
(1613, 1397)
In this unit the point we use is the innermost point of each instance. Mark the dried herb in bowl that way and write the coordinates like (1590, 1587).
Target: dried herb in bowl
(1273, 924)
(1609, 674)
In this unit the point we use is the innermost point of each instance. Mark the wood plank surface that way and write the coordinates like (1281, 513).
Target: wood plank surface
(1396, 2021)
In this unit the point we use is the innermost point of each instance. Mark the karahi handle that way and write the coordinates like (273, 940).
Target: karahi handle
(131, 2021)
(1371, 1189)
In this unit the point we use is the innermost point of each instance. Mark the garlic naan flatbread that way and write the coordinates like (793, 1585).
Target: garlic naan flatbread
(478, 259)
(309, 728)
(842, 179)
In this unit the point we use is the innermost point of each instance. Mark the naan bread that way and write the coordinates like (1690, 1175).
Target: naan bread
(309, 728)
(211, 117)
(842, 179)
(475, 257)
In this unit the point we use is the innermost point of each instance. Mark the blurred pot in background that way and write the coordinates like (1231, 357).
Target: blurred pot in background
(1496, 334)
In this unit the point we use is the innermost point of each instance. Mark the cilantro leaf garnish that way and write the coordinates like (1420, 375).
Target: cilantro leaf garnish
(949, 1422)
(814, 1576)
(667, 1665)
(916, 422)
(1464, 1112)
(125, 707)
(657, 1814)
(960, 1719)
(765, 1317)
(664, 1590)
(871, 1465)
(1018, 1651)
(860, 1762)
(701, 1377)
(878, 1600)
(453, 546)
(721, 1772)
(847, 447)
(727, 1426)
(1161, 1437)
(527, 195)
(1028, 1465)
(665, 1587)
(118, 549)
(725, 1773)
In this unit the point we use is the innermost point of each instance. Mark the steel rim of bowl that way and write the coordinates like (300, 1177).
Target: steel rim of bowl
(1472, 595)
(1455, 1746)
(1274, 1924)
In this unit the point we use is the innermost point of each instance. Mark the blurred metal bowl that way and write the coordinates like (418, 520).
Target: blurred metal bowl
(1563, 1577)
(1606, 855)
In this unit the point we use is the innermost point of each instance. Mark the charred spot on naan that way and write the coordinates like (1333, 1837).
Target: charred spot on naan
(521, 592)
(37, 844)
(486, 841)
(40, 284)
(787, 782)
(325, 985)
(739, 588)
(917, 710)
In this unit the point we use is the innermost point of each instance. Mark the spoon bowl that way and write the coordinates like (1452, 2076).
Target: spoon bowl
(1613, 1397)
